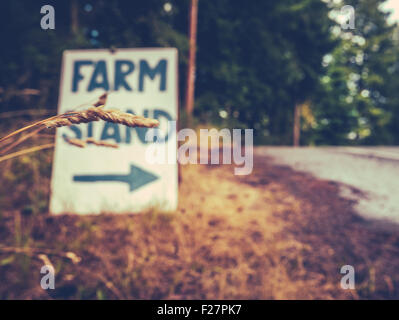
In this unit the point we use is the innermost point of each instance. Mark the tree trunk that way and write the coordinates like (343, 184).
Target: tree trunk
(191, 61)
(74, 17)
(297, 125)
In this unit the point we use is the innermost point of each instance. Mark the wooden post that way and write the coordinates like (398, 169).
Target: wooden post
(297, 125)
(74, 17)
(191, 60)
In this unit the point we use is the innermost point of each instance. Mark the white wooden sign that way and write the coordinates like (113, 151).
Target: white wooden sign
(98, 179)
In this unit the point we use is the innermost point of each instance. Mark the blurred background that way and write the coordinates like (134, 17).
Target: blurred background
(255, 63)
(286, 69)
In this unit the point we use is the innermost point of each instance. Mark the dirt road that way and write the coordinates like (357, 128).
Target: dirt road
(367, 175)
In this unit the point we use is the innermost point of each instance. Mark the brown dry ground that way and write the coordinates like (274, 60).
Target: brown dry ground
(276, 234)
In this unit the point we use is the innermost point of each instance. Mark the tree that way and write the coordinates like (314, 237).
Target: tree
(354, 104)
(257, 61)
(31, 57)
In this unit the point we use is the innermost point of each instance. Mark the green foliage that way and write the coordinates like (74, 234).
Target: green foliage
(255, 61)
(355, 103)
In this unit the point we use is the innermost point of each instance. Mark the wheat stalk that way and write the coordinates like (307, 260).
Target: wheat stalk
(98, 113)
(101, 143)
(95, 113)
(25, 151)
(76, 142)
(25, 128)
(20, 140)
(82, 143)
(102, 100)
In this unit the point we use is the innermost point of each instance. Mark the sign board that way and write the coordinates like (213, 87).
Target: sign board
(97, 179)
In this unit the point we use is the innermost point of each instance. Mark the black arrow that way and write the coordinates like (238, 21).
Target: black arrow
(136, 178)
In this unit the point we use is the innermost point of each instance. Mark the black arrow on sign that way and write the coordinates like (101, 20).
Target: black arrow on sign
(136, 178)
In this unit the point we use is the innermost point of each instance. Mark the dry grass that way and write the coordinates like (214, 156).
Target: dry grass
(276, 234)
(230, 239)
(89, 115)
(218, 245)
(94, 113)
(26, 151)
